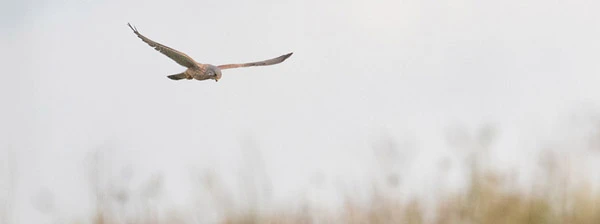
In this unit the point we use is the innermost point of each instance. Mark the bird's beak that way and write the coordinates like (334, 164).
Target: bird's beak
(216, 80)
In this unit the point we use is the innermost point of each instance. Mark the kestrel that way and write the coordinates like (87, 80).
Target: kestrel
(197, 70)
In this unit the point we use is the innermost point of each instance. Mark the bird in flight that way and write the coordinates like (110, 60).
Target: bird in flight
(197, 70)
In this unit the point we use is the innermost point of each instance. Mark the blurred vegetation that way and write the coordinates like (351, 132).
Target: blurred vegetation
(489, 195)
(488, 198)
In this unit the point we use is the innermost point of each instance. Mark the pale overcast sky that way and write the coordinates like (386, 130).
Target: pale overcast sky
(77, 80)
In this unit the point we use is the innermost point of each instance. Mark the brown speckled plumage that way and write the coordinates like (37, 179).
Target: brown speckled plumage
(197, 70)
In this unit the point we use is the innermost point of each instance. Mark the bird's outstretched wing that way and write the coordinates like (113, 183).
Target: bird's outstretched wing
(177, 56)
(258, 63)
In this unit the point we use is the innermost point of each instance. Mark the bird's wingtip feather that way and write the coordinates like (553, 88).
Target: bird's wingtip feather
(132, 27)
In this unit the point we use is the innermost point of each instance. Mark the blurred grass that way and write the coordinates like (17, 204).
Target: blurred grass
(487, 199)
(489, 196)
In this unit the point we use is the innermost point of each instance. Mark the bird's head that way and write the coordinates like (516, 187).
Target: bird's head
(216, 73)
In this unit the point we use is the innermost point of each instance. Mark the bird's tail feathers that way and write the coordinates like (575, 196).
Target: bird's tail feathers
(177, 76)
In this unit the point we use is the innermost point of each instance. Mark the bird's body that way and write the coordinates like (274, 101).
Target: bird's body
(197, 70)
